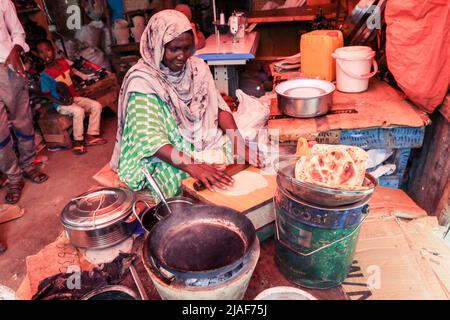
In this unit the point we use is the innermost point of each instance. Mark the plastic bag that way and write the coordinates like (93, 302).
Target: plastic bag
(90, 35)
(417, 49)
(251, 117)
(378, 156)
(97, 57)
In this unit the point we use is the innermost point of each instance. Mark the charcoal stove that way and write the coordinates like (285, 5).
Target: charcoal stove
(229, 285)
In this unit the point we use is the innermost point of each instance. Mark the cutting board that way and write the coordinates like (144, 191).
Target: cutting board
(243, 203)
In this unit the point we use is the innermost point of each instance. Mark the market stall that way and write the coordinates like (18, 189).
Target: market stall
(198, 190)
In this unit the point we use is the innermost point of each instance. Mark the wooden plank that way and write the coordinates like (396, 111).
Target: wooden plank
(445, 108)
(126, 48)
(245, 203)
(280, 39)
(305, 13)
(429, 185)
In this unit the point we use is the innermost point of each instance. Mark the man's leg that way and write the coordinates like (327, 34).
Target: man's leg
(14, 94)
(77, 114)
(9, 164)
(21, 120)
(94, 108)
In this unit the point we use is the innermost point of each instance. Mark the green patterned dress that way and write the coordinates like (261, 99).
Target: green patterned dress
(149, 126)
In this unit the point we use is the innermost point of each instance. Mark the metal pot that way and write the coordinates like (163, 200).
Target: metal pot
(322, 196)
(152, 215)
(99, 219)
(305, 98)
(111, 293)
(199, 242)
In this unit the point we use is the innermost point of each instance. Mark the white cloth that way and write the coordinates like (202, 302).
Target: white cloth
(11, 30)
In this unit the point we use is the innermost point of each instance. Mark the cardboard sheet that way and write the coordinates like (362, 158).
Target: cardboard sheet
(380, 107)
(397, 258)
(9, 213)
(58, 257)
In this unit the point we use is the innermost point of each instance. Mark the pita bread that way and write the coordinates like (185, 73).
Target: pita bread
(333, 166)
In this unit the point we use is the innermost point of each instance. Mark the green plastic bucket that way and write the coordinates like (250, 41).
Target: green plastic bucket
(311, 254)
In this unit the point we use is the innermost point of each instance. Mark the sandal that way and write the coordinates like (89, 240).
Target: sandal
(35, 176)
(95, 141)
(79, 148)
(14, 192)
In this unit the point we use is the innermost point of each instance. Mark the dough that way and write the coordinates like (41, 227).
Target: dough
(245, 183)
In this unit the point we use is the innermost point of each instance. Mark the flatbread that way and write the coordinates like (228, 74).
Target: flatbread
(333, 166)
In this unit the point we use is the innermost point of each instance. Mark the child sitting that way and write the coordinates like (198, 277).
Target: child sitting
(57, 75)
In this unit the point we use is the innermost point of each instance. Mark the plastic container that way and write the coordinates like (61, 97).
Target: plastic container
(121, 32)
(139, 21)
(285, 293)
(316, 48)
(353, 65)
(137, 33)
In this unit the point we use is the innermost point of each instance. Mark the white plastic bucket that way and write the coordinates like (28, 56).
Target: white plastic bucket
(139, 21)
(137, 33)
(353, 65)
(121, 32)
(122, 35)
(284, 293)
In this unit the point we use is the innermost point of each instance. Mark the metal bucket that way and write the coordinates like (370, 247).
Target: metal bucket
(315, 246)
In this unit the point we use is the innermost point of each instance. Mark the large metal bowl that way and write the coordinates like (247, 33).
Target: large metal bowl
(305, 98)
(323, 196)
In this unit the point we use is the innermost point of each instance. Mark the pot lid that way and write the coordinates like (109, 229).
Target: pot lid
(98, 208)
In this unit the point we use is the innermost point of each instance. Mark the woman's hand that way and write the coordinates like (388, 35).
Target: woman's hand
(209, 175)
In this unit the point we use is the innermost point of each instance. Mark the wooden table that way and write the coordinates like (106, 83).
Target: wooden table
(256, 205)
(280, 29)
(305, 13)
(225, 54)
(379, 118)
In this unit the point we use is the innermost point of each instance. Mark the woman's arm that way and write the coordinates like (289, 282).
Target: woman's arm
(205, 173)
(240, 147)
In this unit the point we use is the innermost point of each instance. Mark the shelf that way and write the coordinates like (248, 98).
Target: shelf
(28, 11)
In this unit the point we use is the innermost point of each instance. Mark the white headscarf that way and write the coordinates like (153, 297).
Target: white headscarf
(191, 93)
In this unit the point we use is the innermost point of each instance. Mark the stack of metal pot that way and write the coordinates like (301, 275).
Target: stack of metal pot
(317, 228)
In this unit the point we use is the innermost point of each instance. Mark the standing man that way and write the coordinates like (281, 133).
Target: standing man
(14, 107)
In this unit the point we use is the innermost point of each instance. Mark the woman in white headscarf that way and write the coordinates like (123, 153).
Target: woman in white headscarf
(169, 108)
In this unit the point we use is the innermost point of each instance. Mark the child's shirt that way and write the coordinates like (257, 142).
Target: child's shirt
(51, 75)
